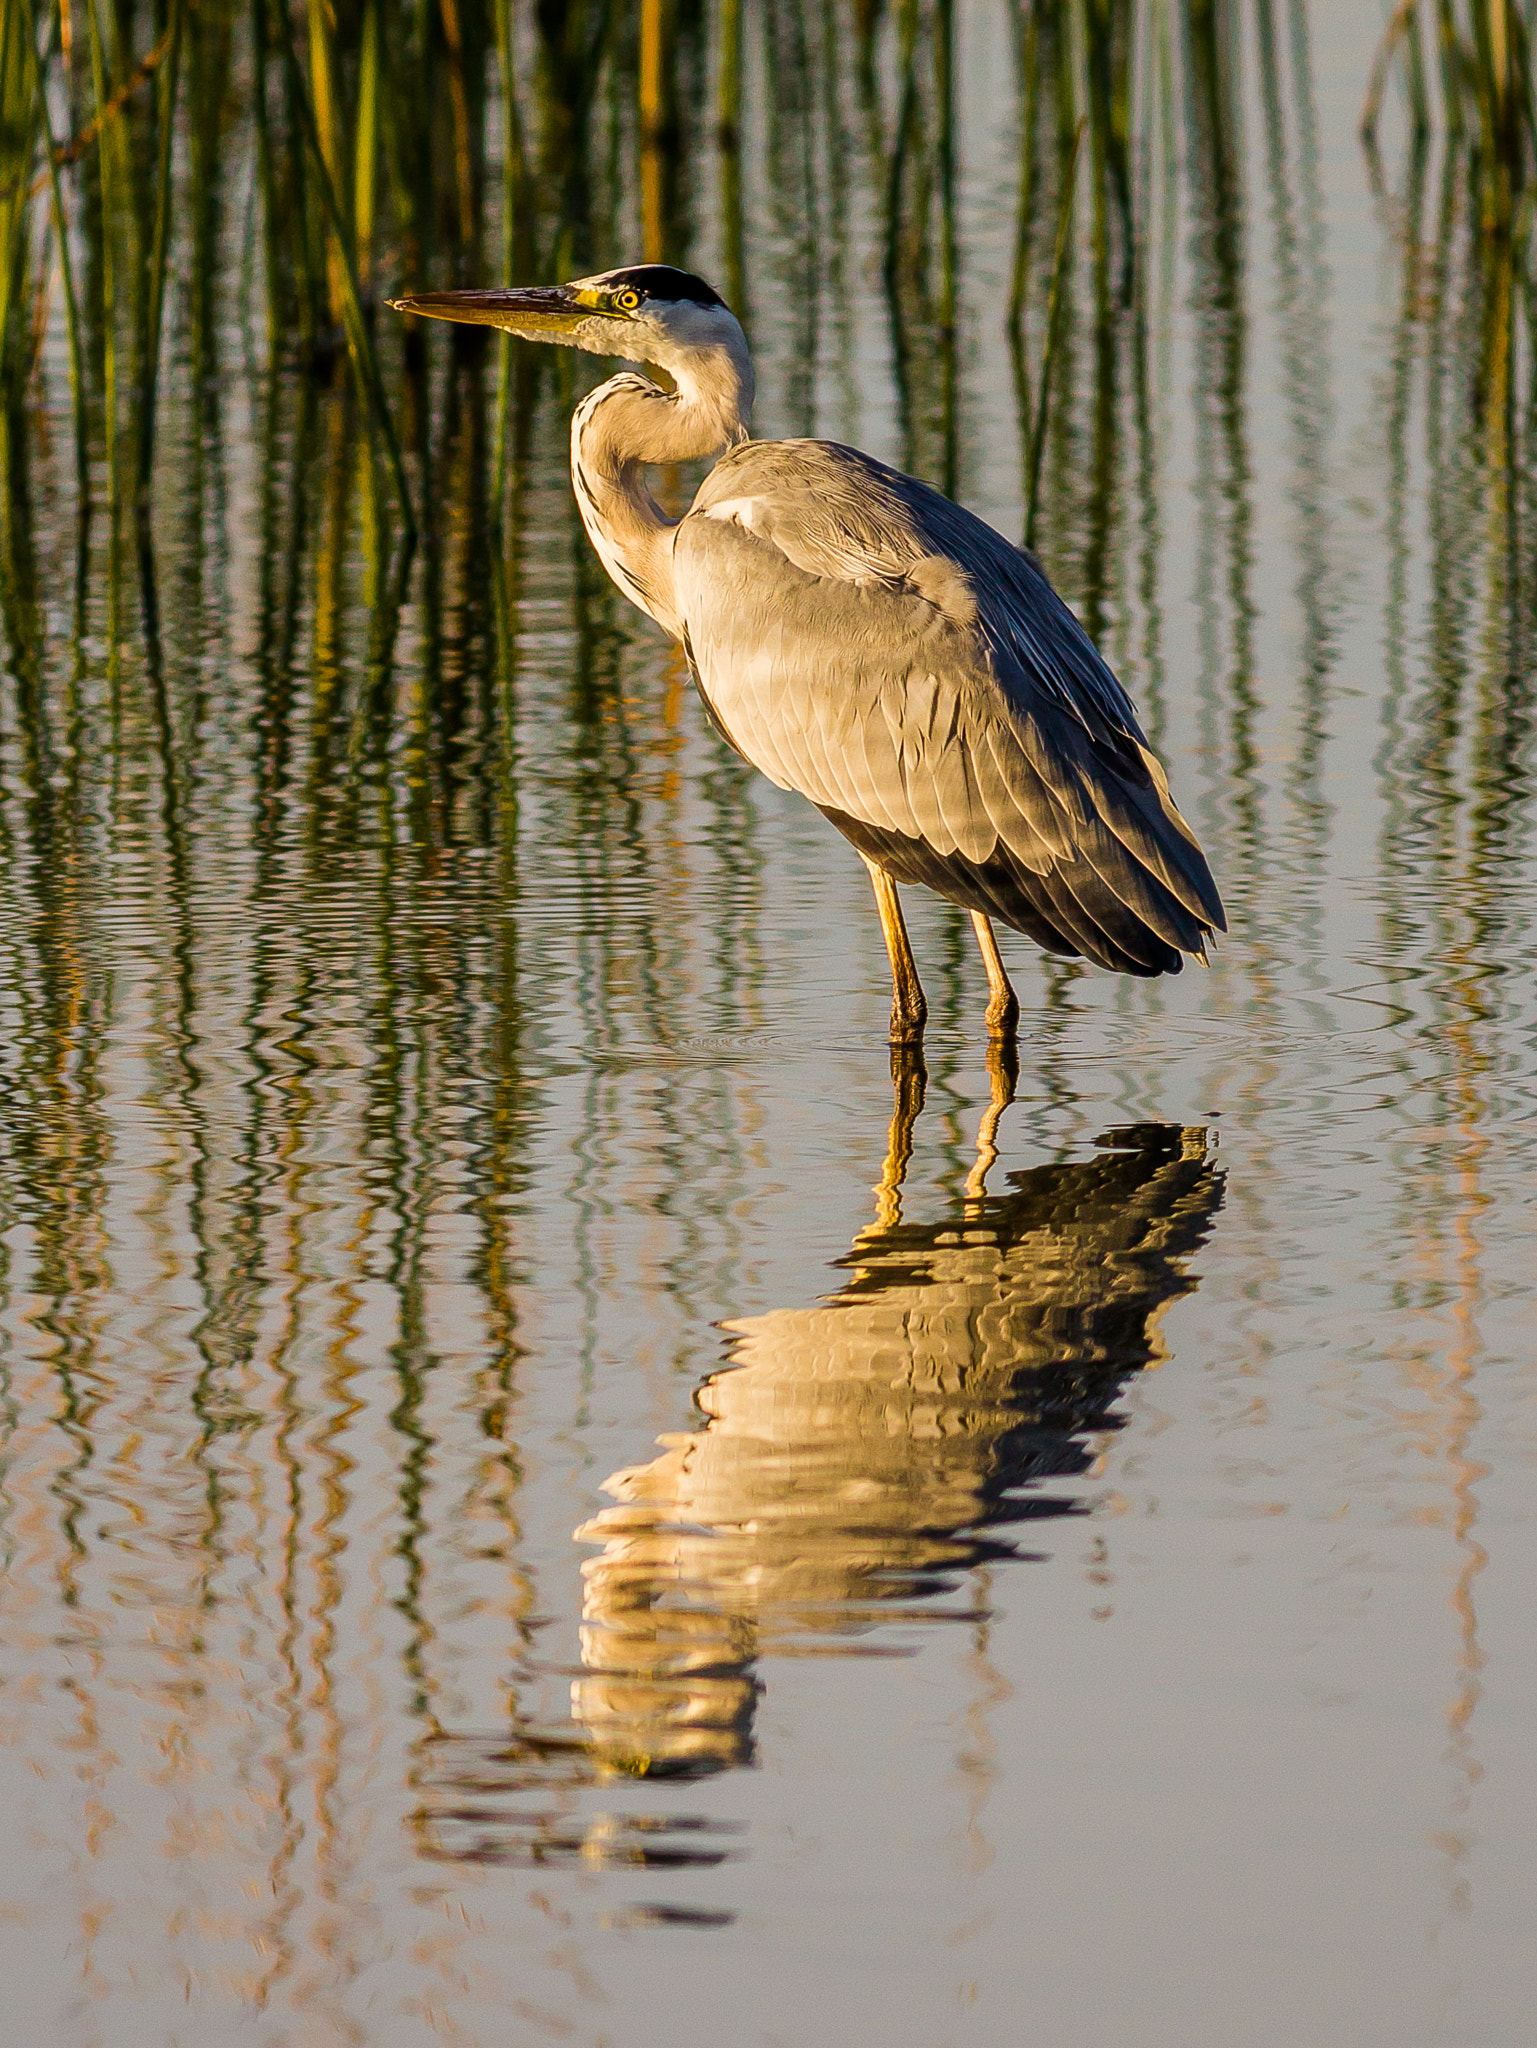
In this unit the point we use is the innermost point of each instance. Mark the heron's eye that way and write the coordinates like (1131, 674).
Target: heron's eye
(627, 301)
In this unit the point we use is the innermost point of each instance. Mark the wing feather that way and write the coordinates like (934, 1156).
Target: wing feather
(1141, 891)
(870, 644)
(748, 712)
(1013, 808)
(829, 726)
(960, 799)
(1028, 821)
(876, 773)
(922, 763)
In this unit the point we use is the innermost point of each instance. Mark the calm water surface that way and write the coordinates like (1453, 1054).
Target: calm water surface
(541, 1499)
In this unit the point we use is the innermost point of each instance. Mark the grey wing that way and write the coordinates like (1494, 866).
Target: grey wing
(869, 644)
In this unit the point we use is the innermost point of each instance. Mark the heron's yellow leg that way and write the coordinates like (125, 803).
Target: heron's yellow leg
(1003, 1006)
(1003, 1073)
(909, 1010)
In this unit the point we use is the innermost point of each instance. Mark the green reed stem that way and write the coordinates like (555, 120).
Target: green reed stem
(513, 205)
(1451, 69)
(1122, 47)
(1414, 75)
(1098, 67)
(77, 383)
(360, 341)
(365, 152)
(266, 176)
(891, 260)
(944, 92)
(1401, 24)
(1024, 231)
(170, 72)
(728, 138)
(323, 114)
(105, 143)
(19, 96)
(1053, 331)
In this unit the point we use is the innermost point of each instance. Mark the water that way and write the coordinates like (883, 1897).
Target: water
(542, 1499)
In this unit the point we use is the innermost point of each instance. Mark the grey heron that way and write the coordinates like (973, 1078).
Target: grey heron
(860, 638)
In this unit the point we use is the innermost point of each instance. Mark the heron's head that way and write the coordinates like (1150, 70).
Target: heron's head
(649, 313)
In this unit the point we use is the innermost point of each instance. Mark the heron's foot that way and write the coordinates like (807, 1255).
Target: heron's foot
(1003, 1014)
(907, 1022)
(1003, 1008)
(909, 1005)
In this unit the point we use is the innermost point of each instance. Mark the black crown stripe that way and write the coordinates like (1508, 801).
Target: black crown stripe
(662, 281)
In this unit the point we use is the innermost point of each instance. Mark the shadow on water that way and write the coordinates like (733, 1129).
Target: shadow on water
(859, 1461)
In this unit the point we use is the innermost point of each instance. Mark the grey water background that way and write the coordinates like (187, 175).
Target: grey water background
(1097, 1611)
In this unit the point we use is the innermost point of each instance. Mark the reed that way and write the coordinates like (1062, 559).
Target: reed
(160, 251)
(368, 129)
(658, 125)
(365, 148)
(66, 261)
(20, 113)
(1054, 303)
(344, 269)
(1483, 121)
(108, 148)
(728, 138)
(1485, 86)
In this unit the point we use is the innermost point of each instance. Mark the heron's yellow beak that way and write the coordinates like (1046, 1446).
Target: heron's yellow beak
(537, 312)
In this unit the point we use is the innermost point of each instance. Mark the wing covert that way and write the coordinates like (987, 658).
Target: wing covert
(864, 641)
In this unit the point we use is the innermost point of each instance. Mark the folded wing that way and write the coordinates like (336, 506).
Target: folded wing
(862, 640)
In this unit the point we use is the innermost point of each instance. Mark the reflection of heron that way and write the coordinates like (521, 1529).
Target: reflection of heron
(863, 640)
(856, 1455)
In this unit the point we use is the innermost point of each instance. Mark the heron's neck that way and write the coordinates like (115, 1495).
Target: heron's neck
(630, 422)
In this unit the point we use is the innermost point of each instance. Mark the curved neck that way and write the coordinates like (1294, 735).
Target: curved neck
(630, 422)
